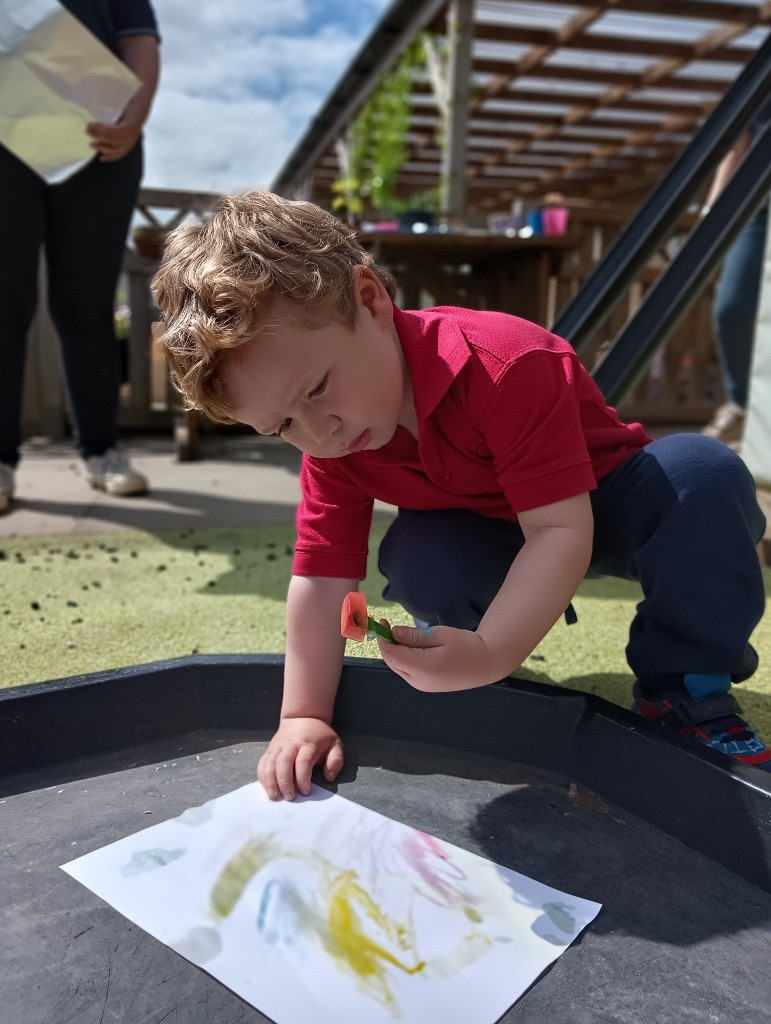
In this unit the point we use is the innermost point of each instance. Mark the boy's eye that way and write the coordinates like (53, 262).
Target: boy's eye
(320, 387)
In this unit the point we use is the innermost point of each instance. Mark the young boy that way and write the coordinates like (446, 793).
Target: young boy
(512, 477)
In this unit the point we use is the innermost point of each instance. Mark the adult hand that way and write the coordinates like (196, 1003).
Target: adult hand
(299, 744)
(439, 658)
(114, 141)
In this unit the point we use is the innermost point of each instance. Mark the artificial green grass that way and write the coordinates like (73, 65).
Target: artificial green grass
(78, 604)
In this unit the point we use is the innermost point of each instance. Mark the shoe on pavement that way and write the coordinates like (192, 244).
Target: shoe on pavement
(7, 486)
(114, 474)
(727, 424)
(713, 721)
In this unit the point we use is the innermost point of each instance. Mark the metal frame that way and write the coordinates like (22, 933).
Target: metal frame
(668, 300)
(653, 222)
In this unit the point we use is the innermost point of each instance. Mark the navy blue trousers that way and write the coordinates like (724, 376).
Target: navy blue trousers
(81, 226)
(679, 516)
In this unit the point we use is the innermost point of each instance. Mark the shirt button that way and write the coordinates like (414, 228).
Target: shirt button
(443, 477)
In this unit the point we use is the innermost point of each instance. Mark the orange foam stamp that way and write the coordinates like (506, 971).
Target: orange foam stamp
(357, 624)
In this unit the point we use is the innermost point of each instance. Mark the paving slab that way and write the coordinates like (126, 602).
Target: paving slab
(240, 481)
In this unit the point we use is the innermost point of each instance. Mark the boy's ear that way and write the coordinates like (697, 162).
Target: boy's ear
(370, 294)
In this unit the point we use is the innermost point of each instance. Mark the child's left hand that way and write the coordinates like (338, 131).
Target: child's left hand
(438, 659)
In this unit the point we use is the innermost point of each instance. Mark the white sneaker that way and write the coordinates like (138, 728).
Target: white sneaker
(113, 473)
(7, 486)
(727, 424)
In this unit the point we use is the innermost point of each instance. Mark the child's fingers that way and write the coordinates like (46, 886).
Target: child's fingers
(413, 636)
(333, 761)
(407, 656)
(307, 757)
(266, 774)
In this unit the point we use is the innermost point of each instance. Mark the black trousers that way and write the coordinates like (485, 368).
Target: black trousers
(81, 225)
(680, 517)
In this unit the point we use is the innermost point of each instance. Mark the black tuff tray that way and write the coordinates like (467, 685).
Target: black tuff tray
(564, 787)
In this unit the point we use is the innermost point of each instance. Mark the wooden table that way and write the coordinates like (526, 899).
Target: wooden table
(480, 271)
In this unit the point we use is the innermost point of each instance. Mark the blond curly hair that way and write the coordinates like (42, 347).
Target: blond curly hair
(218, 284)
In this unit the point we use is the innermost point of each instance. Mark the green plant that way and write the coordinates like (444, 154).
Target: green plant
(376, 145)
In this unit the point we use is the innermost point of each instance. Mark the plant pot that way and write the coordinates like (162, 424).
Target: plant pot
(150, 239)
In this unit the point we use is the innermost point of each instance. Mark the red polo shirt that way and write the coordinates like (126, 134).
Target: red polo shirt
(508, 420)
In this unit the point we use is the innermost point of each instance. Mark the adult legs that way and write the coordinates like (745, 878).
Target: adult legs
(736, 306)
(87, 221)
(22, 223)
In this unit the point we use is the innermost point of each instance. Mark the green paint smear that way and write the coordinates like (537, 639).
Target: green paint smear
(559, 916)
(238, 872)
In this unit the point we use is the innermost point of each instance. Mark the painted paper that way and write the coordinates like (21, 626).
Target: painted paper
(323, 910)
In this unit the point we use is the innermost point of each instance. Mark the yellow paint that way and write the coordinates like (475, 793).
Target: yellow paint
(239, 871)
(348, 943)
(350, 912)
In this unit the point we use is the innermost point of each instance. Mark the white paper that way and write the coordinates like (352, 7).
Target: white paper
(55, 78)
(321, 910)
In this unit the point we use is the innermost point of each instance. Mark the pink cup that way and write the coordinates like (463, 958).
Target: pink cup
(555, 220)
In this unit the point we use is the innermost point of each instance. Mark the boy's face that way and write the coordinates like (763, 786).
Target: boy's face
(329, 391)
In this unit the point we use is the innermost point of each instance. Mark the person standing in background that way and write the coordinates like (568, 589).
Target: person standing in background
(81, 224)
(737, 296)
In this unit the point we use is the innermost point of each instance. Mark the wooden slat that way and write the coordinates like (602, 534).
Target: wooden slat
(604, 76)
(710, 43)
(626, 45)
(645, 145)
(703, 10)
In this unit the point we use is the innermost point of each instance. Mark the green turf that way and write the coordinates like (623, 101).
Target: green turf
(78, 604)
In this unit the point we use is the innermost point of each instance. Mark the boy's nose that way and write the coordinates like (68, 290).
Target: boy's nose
(324, 427)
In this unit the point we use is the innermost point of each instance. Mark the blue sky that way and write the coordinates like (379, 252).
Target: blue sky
(241, 80)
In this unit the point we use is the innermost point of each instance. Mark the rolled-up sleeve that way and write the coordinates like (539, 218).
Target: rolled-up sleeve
(333, 522)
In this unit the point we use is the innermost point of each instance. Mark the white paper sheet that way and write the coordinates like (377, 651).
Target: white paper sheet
(321, 910)
(55, 78)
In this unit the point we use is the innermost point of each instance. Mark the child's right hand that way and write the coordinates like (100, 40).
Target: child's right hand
(300, 743)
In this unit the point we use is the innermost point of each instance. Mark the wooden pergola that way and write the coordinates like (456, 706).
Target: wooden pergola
(593, 99)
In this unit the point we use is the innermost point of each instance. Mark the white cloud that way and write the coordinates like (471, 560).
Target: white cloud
(241, 80)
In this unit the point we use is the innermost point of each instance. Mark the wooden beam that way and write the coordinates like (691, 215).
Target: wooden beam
(517, 35)
(617, 95)
(551, 40)
(602, 76)
(460, 28)
(703, 10)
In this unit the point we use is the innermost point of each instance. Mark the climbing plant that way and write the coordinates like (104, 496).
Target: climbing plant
(377, 140)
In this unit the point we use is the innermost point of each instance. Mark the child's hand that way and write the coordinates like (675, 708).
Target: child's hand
(439, 658)
(299, 744)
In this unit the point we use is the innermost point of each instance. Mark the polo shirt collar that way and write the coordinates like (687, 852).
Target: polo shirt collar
(436, 351)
